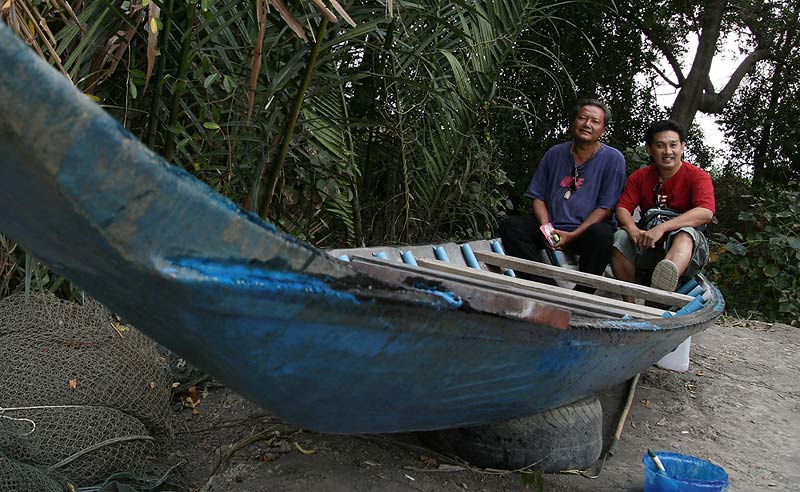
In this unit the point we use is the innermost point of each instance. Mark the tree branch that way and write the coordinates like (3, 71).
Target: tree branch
(664, 76)
(714, 102)
(661, 46)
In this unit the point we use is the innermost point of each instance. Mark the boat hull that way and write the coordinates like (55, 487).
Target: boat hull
(289, 327)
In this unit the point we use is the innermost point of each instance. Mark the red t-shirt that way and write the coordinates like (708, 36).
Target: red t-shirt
(690, 187)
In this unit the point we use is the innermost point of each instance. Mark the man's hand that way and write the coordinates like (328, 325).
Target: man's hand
(566, 238)
(646, 239)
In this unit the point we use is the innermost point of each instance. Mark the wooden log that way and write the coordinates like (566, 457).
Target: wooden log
(605, 283)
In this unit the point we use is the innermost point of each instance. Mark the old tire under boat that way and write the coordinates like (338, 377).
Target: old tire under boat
(567, 437)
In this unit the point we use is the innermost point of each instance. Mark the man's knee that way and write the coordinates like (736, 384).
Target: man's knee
(689, 246)
(619, 257)
(683, 238)
(681, 244)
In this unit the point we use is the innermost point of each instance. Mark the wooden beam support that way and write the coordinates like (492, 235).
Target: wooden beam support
(596, 281)
(480, 299)
(582, 307)
(564, 296)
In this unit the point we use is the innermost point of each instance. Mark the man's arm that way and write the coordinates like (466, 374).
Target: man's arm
(540, 211)
(542, 216)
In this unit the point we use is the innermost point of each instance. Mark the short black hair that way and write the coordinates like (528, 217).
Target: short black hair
(590, 102)
(664, 126)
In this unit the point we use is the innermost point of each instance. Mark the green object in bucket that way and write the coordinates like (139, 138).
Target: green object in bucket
(655, 459)
(683, 474)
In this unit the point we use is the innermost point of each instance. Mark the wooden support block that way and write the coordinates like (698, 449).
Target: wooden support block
(565, 296)
(608, 284)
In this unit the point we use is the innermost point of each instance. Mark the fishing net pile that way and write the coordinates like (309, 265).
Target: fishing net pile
(81, 396)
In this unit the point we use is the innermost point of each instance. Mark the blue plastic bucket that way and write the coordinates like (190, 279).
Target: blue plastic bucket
(684, 474)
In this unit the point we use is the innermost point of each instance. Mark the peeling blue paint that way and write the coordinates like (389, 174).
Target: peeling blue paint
(245, 275)
(448, 297)
(452, 300)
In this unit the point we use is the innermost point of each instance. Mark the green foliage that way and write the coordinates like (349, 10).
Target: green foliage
(755, 261)
(533, 479)
(427, 125)
(635, 157)
(761, 122)
(427, 168)
(20, 272)
(390, 144)
(586, 52)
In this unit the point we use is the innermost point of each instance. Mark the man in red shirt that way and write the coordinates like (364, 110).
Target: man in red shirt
(676, 247)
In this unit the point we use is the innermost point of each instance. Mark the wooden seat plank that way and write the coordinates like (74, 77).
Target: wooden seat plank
(453, 252)
(563, 294)
(582, 307)
(605, 283)
(480, 299)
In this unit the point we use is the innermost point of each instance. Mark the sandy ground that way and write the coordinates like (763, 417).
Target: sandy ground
(737, 406)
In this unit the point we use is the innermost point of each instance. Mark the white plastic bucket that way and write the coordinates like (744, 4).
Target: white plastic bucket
(678, 359)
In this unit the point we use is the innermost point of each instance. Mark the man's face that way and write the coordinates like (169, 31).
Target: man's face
(666, 150)
(589, 124)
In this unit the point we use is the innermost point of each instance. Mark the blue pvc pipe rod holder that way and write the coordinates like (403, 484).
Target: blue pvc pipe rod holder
(498, 248)
(408, 258)
(698, 290)
(555, 258)
(380, 254)
(469, 256)
(694, 305)
(441, 254)
(344, 258)
(688, 286)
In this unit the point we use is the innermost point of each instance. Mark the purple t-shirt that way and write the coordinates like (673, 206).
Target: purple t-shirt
(599, 184)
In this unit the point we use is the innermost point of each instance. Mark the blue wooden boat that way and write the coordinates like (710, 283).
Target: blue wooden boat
(365, 345)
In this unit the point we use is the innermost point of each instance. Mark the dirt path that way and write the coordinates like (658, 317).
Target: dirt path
(738, 406)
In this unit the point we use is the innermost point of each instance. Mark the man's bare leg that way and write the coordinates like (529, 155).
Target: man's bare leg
(668, 271)
(623, 270)
(680, 252)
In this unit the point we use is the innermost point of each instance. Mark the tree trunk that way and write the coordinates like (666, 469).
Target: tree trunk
(690, 96)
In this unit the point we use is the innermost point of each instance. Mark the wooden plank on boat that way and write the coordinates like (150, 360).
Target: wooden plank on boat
(480, 299)
(605, 283)
(583, 307)
(453, 252)
(425, 251)
(561, 293)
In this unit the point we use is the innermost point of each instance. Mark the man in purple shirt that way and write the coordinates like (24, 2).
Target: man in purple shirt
(574, 189)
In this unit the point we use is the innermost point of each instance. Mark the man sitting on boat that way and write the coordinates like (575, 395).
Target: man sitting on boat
(677, 201)
(574, 191)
